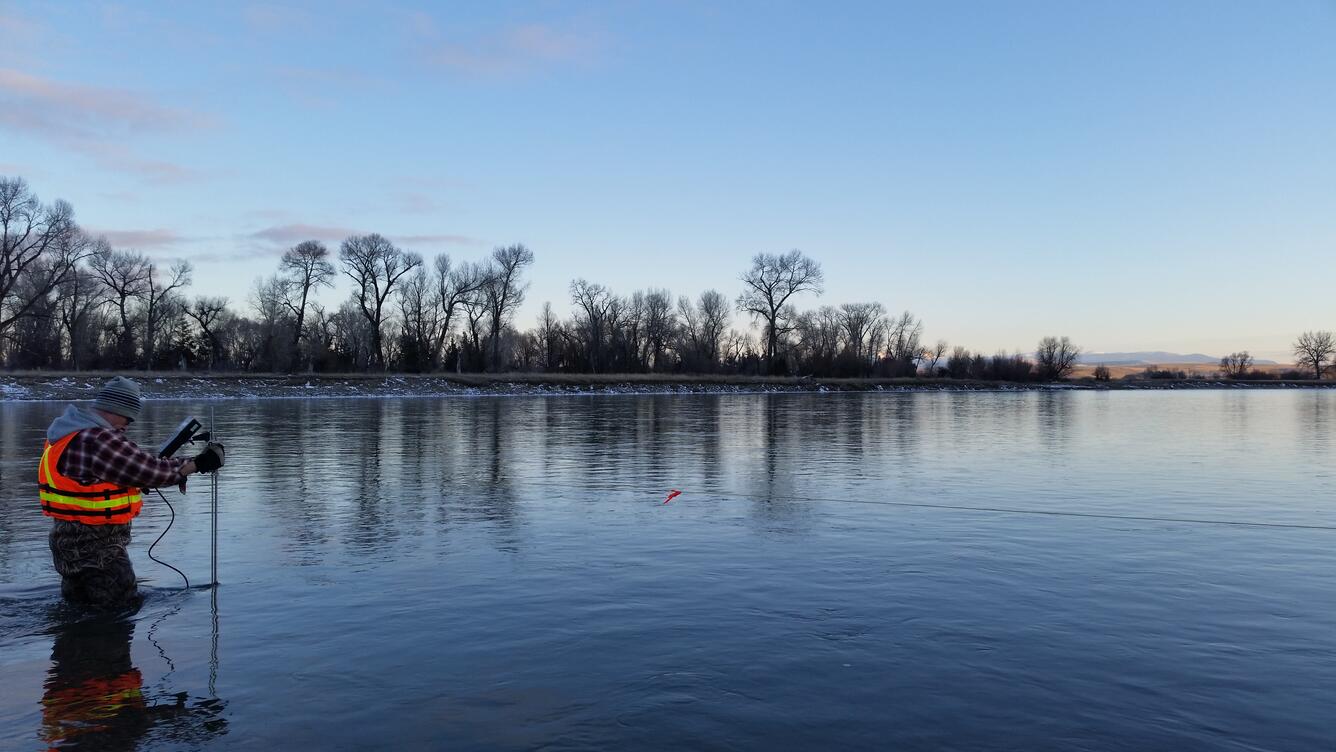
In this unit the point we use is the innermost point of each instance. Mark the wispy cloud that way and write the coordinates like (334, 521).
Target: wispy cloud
(291, 234)
(282, 236)
(93, 121)
(424, 184)
(121, 196)
(515, 50)
(418, 240)
(418, 203)
(233, 255)
(324, 88)
(119, 159)
(272, 18)
(141, 24)
(157, 238)
(13, 26)
(22, 37)
(269, 215)
(50, 107)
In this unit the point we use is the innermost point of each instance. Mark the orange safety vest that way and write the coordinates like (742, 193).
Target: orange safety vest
(67, 499)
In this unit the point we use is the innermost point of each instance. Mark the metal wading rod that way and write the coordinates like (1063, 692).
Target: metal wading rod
(213, 566)
(213, 643)
(213, 507)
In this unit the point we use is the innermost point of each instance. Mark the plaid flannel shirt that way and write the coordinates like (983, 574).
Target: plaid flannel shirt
(107, 455)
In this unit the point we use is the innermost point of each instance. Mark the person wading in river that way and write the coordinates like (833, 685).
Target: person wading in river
(89, 481)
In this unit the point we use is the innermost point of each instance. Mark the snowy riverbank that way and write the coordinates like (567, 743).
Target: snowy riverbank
(73, 386)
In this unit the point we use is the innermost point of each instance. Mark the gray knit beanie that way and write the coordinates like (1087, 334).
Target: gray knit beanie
(121, 397)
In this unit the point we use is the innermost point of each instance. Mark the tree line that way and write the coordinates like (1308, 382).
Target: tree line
(68, 300)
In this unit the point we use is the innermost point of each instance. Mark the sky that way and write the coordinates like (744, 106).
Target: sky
(1134, 175)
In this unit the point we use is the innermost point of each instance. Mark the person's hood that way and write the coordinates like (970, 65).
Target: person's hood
(74, 418)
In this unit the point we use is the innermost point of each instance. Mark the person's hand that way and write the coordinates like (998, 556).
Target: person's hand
(210, 459)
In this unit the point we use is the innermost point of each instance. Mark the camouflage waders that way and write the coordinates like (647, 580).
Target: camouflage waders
(93, 563)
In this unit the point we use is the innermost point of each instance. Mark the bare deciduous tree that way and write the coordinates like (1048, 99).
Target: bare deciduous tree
(772, 280)
(703, 326)
(352, 336)
(455, 286)
(738, 347)
(659, 326)
(903, 335)
(1056, 357)
(1314, 350)
(375, 265)
(595, 304)
(40, 245)
(1236, 365)
(420, 315)
(125, 277)
(631, 333)
(475, 310)
(206, 313)
(34, 339)
(319, 336)
(549, 337)
(155, 298)
(271, 328)
(820, 335)
(78, 297)
(504, 291)
(714, 320)
(933, 355)
(305, 268)
(861, 322)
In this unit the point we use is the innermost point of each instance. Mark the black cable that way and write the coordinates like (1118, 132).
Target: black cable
(153, 628)
(1062, 513)
(706, 492)
(163, 533)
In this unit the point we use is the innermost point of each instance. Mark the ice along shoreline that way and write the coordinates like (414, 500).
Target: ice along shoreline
(74, 386)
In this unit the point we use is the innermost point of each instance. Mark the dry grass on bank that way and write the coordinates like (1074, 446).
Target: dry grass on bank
(1083, 376)
(1198, 370)
(471, 379)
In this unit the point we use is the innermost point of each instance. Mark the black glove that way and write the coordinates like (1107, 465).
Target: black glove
(210, 459)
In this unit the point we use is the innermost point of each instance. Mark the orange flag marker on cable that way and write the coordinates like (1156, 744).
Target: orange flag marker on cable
(676, 493)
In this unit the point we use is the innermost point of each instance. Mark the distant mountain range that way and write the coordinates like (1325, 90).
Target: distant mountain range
(1155, 357)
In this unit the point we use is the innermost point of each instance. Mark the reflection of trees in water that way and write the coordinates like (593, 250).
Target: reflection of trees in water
(332, 469)
(654, 460)
(1057, 420)
(600, 440)
(305, 507)
(372, 498)
(775, 503)
(14, 449)
(294, 482)
(1235, 407)
(816, 446)
(1316, 417)
(709, 447)
(486, 453)
(374, 472)
(633, 444)
(94, 696)
(894, 430)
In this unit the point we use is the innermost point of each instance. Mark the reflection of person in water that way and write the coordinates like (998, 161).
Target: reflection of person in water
(95, 699)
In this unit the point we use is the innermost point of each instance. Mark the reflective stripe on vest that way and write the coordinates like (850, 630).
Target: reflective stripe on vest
(93, 504)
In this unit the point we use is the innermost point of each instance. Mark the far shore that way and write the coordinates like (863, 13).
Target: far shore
(70, 385)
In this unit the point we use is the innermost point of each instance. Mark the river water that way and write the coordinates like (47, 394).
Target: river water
(984, 571)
